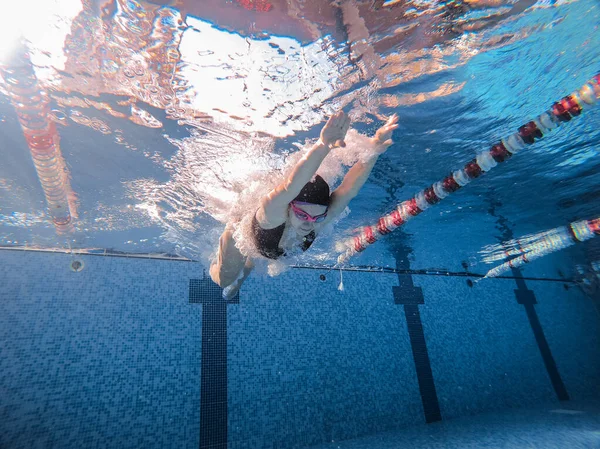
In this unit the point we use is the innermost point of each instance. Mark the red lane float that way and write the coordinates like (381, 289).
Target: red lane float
(256, 5)
(561, 111)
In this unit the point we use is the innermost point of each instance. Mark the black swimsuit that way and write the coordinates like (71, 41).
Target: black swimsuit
(267, 240)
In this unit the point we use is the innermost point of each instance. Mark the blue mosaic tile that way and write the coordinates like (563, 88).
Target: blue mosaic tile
(106, 357)
(112, 356)
(574, 426)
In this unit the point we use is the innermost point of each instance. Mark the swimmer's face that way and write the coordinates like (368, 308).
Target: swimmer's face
(304, 227)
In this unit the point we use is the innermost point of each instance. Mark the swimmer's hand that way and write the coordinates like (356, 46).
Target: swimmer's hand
(382, 139)
(335, 130)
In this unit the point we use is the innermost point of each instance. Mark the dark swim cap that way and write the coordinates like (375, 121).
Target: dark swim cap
(315, 192)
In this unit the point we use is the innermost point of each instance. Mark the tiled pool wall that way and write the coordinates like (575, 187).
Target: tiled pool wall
(133, 353)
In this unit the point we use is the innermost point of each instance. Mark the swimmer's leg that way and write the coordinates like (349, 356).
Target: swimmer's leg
(230, 291)
(228, 266)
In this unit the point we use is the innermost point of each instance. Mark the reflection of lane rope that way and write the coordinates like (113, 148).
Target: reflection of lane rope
(33, 112)
(561, 111)
(549, 242)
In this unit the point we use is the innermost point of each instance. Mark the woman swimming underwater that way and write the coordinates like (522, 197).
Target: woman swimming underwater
(292, 214)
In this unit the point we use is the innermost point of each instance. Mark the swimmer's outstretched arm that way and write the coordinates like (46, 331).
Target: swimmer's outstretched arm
(274, 207)
(359, 173)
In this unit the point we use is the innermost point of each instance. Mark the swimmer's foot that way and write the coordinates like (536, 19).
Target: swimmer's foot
(230, 291)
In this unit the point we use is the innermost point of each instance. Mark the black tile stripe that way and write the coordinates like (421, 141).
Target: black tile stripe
(213, 368)
(431, 406)
(410, 296)
(527, 298)
(213, 377)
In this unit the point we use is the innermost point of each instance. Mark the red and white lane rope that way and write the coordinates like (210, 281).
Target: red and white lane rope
(562, 111)
(33, 111)
(548, 242)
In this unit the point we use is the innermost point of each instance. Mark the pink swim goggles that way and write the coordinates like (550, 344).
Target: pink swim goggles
(301, 215)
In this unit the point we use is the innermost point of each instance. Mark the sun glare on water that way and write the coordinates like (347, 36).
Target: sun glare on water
(42, 23)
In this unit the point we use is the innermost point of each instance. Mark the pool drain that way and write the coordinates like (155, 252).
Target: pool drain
(77, 265)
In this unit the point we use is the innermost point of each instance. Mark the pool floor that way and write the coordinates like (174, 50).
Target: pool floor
(572, 425)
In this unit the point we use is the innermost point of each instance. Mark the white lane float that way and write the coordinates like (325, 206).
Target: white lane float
(525, 250)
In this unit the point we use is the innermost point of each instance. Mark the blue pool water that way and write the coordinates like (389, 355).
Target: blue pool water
(161, 113)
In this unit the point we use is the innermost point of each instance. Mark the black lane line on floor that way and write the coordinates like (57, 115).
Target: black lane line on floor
(527, 298)
(213, 364)
(410, 297)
